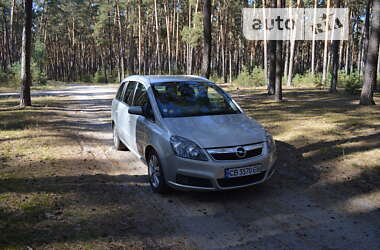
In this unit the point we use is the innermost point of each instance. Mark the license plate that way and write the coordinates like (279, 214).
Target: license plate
(237, 172)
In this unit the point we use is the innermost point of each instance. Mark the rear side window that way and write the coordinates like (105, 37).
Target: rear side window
(128, 95)
(119, 93)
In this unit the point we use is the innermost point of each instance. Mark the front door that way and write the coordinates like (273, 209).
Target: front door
(141, 124)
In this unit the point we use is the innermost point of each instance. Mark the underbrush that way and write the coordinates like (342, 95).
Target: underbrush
(307, 80)
(351, 83)
(254, 78)
(12, 78)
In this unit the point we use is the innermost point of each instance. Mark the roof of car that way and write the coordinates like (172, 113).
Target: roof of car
(151, 79)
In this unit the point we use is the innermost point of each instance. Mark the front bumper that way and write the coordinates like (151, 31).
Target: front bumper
(210, 175)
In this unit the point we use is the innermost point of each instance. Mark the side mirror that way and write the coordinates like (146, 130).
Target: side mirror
(135, 110)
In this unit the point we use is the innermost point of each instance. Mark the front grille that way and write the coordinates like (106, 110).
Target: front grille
(193, 181)
(240, 181)
(220, 154)
(233, 156)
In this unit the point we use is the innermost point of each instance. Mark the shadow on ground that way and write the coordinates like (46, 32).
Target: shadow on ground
(103, 207)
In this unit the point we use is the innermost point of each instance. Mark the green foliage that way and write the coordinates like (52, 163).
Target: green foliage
(39, 77)
(86, 78)
(16, 71)
(13, 78)
(308, 80)
(99, 77)
(250, 79)
(216, 79)
(4, 77)
(194, 34)
(352, 83)
(113, 78)
(104, 23)
(39, 54)
(317, 80)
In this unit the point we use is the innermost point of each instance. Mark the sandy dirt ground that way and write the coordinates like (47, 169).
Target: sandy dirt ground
(294, 210)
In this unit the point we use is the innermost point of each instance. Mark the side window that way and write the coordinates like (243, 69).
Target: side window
(119, 93)
(128, 95)
(140, 96)
(141, 99)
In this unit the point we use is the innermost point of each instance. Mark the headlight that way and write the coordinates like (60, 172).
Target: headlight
(185, 148)
(270, 141)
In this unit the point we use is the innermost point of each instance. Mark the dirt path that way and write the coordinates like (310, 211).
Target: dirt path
(294, 210)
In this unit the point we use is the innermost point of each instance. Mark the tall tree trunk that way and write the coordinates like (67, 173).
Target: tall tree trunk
(177, 41)
(335, 58)
(313, 42)
(272, 67)
(366, 97)
(378, 64)
(7, 40)
(206, 38)
(341, 54)
(348, 46)
(224, 64)
(265, 46)
(26, 76)
(11, 30)
(158, 56)
(121, 42)
(279, 64)
(279, 68)
(286, 66)
(189, 50)
(325, 50)
(140, 38)
(132, 53)
(360, 64)
(292, 48)
(366, 31)
(167, 17)
(352, 54)
(230, 63)
(347, 60)
(272, 61)
(335, 66)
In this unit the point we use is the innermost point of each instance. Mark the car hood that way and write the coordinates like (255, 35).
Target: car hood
(217, 130)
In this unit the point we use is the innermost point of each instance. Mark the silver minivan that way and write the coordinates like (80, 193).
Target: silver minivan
(191, 134)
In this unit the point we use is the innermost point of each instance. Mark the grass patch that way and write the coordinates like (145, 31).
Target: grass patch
(326, 129)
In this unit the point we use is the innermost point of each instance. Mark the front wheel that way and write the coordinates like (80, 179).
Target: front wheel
(156, 176)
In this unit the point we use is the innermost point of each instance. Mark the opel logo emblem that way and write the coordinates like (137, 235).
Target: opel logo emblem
(240, 152)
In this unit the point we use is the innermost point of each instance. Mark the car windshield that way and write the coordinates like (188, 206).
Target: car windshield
(181, 99)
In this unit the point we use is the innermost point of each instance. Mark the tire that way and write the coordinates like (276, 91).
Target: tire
(156, 175)
(117, 144)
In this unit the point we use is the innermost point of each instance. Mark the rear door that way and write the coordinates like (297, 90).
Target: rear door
(124, 116)
(116, 101)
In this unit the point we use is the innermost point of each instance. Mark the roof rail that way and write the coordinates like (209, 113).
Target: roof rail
(204, 78)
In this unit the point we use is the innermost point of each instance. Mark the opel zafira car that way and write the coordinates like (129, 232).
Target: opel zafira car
(191, 134)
